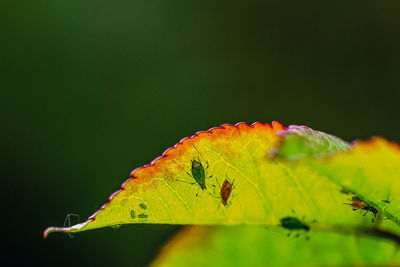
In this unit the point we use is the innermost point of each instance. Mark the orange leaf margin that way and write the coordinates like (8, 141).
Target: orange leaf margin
(147, 171)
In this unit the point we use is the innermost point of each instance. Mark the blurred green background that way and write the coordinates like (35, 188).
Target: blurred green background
(90, 90)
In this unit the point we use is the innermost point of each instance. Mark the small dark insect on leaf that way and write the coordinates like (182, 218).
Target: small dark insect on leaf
(345, 191)
(226, 190)
(143, 206)
(358, 203)
(386, 201)
(199, 173)
(133, 216)
(293, 223)
(143, 216)
(371, 209)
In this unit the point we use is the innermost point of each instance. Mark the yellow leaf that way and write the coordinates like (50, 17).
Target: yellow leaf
(225, 176)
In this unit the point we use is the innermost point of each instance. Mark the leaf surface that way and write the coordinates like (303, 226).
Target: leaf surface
(184, 185)
(369, 169)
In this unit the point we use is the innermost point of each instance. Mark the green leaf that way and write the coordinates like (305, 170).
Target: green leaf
(369, 169)
(226, 176)
(258, 246)
(301, 142)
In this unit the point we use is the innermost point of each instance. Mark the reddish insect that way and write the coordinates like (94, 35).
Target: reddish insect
(357, 203)
(226, 190)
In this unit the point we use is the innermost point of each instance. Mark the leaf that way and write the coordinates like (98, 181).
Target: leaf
(301, 141)
(369, 169)
(258, 246)
(263, 190)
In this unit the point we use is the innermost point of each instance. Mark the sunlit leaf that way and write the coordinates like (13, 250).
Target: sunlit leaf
(369, 169)
(301, 142)
(184, 185)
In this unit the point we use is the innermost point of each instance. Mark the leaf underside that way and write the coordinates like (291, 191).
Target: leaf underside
(369, 169)
(267, 183)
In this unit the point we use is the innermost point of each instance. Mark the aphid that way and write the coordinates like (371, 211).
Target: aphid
(133, 216)
(357, 203)
(198, 172)
(386, 201)
(293, 223)
(226, 190)
(143, 216)
(345, 191)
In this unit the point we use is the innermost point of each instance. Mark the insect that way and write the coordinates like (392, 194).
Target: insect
(141, 215)
(293, 223)
(133, 216)
(226, 190)
(345, 191)
(357, 203)
(143, 206)
(198, 172)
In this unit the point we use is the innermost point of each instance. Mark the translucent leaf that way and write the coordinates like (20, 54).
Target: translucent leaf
(301, 141)
(226, 176)
(369, 169)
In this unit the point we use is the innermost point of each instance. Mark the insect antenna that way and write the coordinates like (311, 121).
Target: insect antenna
(201, 155)
(199, 152)
(180, 167)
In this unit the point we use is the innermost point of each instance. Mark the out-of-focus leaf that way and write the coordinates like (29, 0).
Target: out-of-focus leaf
(258, 246)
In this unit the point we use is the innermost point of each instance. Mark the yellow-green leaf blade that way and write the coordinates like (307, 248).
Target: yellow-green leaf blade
(370, 169)
(302, 142)
(264, 189)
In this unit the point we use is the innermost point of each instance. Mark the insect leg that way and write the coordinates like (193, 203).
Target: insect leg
(201, 155)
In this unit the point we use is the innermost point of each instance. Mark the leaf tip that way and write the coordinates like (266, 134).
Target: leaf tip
(52, 229)
(75, 228)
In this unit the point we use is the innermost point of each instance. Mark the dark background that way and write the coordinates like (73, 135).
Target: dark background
(92, 90)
